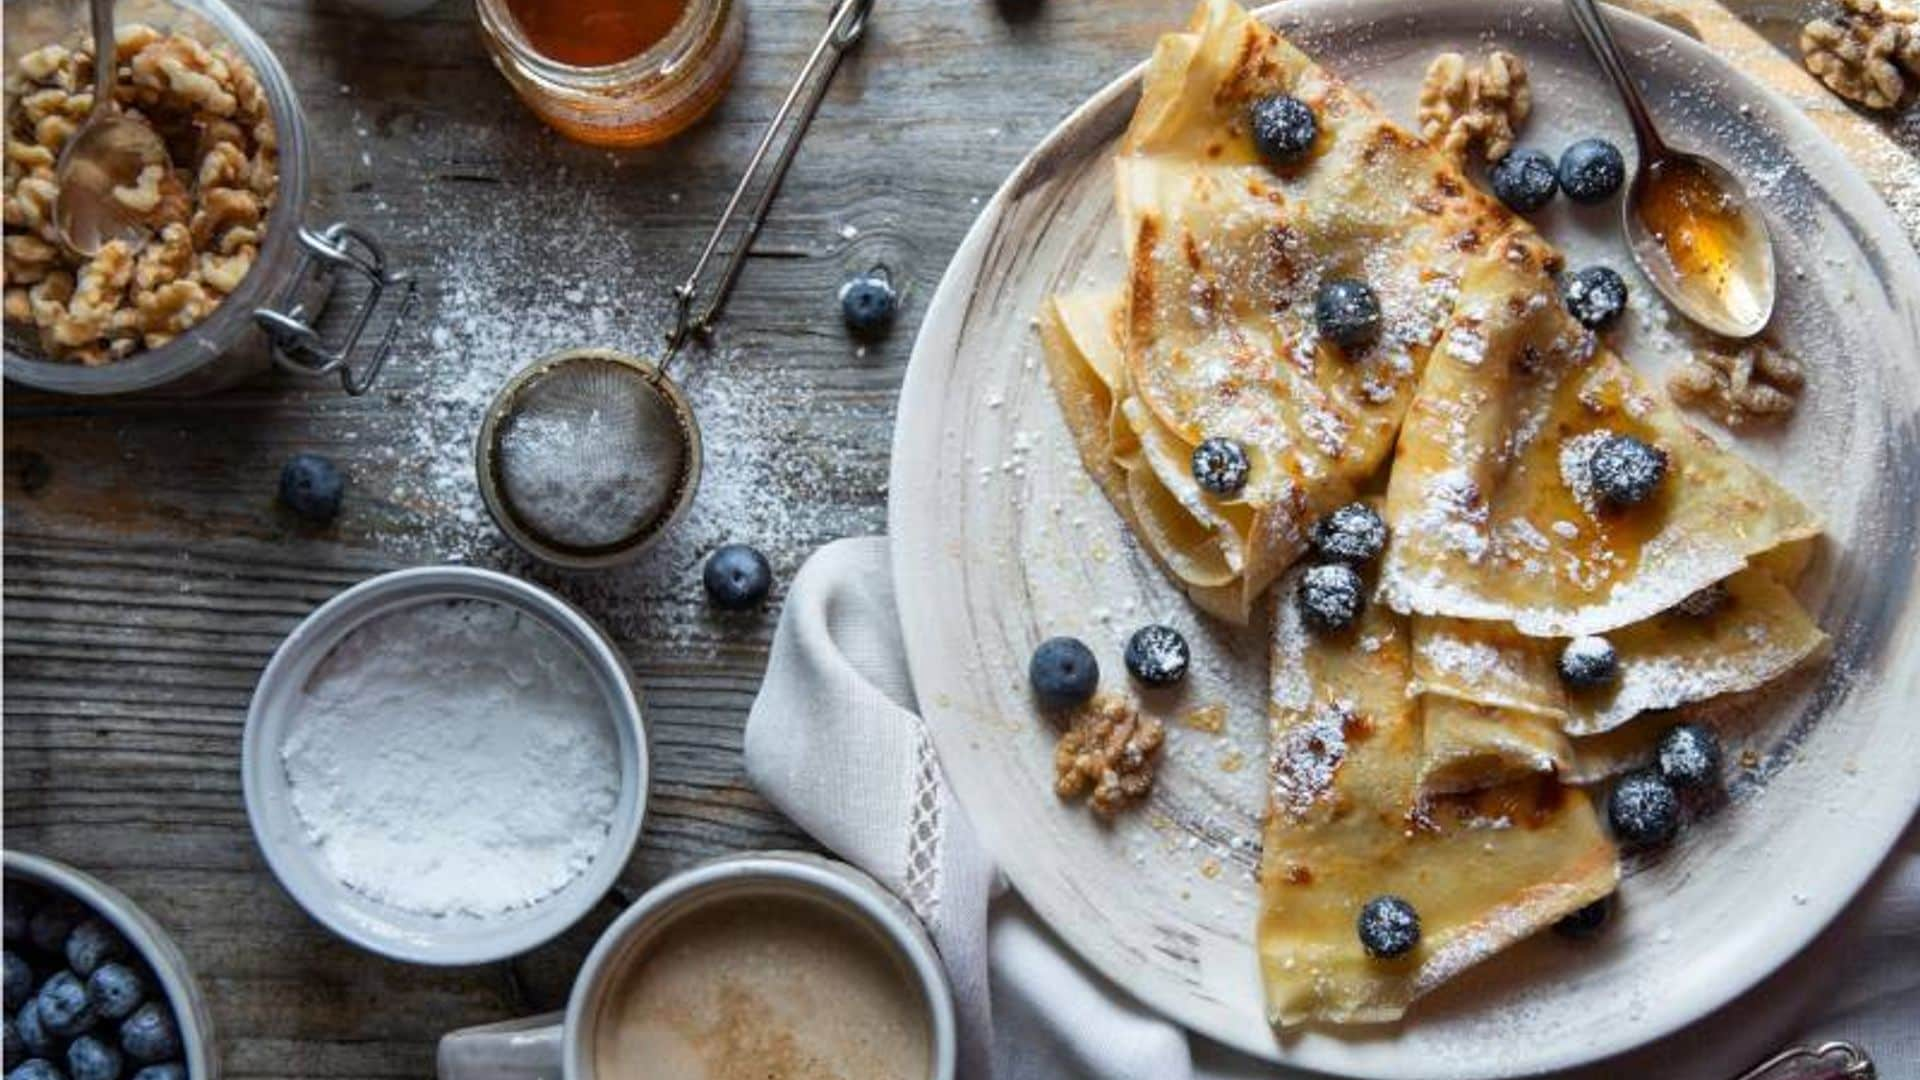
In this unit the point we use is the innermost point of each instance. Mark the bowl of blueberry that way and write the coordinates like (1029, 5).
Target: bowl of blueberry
(95, 990)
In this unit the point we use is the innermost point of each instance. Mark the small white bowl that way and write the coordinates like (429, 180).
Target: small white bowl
(297, 862)
(162, 956)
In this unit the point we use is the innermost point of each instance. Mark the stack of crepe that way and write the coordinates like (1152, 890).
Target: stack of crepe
(1432, 752)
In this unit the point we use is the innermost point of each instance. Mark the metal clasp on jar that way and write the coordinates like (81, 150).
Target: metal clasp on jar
(297, 345)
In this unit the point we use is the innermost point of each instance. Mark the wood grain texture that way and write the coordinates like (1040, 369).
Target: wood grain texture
(148, 575)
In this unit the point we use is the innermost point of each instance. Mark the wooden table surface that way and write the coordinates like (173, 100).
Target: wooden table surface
(149, 574)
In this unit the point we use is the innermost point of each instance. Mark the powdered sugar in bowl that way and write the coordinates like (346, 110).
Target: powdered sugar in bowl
(446, 765)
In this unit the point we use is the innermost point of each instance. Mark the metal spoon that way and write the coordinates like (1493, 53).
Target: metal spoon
(110, 150)
(1688, 221)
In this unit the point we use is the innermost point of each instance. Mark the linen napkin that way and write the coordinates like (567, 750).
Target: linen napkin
(834, 740)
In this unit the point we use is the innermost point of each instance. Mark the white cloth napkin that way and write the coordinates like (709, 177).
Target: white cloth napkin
(834, 741)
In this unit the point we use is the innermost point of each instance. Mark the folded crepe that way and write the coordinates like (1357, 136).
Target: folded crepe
(1491, 514)
(1348, 821)
(1214, 328)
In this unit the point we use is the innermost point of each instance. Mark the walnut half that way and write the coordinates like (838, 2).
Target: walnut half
(1866, 52)
(1739, 383)
(1110, 750)
(1464, 106)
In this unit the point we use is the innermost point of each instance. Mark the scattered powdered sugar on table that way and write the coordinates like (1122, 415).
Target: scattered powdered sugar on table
(454, 757)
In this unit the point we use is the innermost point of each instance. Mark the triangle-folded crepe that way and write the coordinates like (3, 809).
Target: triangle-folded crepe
(1216, 329)
(1349, 821)
(1488, 505)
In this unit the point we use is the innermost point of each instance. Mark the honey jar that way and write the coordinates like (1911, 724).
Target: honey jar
(616, 72)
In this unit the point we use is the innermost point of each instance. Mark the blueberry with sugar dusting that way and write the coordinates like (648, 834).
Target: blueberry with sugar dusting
(149, 1035)
(65, 1008)
(1220, 465)
(1284, 128)
(737, 577)
(1347, 312)
(1354, 533)
(312, 487)
(1331, 597)
(1643, 809)
(1063, 672)
(1591, 170)
(869, 302)
(90, 1058)
(1594, 295)
(19, 979)
(1689, 756)
(1389, 927)
(1524, 180)
(1587, 922)
(1624, 470)
(1589, 662)
(91, 944)
(1158, 655)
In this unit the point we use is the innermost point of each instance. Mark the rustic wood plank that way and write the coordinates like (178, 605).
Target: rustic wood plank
(149, 574)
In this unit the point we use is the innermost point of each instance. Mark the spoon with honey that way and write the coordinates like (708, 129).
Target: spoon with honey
(110, 151)
(1688, 221)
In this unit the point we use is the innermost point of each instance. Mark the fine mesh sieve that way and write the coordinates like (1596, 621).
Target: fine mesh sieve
(588, 455)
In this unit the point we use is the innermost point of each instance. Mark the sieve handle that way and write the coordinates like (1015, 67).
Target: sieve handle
(849, 21)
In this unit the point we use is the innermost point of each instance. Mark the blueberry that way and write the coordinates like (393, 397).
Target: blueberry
(93, 943)
(149, 1034)
(1689, 756)
(1347, 312)
(1220, 465)
(737, 577)
(172, 1070)
(65, 1008)
(1595, 296)
(868, 303)
(116, 990)
(12, 1050)
(37, 1069)
(1388, 927)
(90, 1059)
(311, 486)
(1589, 662)
(1524, 180)
(1284, 128)
(19, 979)
(50, 925)
(1588, 921)
(1643, 809)
(1625, 471)
(1591, 170)
(1352, 534)
(34, 1034)
(1063, 672)
(1157, 655)
(1331, 597)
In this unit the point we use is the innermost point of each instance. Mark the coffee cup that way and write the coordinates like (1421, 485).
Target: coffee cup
(671, 987)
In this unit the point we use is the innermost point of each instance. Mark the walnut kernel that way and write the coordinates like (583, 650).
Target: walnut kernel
(1463, 106)
(1866, 52)
(1109, 752)
(1739, 383)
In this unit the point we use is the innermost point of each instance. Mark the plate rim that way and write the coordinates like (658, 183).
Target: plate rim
(1861, 205)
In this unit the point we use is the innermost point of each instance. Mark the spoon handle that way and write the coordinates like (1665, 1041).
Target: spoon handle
(1593, 27)
(105, 54)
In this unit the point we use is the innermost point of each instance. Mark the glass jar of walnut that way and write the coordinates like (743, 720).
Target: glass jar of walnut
(630, 80)
(233, 279)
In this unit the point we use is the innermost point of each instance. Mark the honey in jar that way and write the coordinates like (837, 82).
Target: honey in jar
(616, 72)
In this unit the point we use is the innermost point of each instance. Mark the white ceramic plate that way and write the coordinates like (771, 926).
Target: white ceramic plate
(1000, 540)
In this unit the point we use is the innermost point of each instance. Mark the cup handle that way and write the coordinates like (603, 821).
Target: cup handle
(524, 1049)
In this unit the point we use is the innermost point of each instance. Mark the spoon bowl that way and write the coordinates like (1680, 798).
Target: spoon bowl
(111, 150)
(1698, 238)
(1688, 221)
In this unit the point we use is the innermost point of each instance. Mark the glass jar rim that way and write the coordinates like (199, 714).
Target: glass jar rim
(694, 26)
(232, 318)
